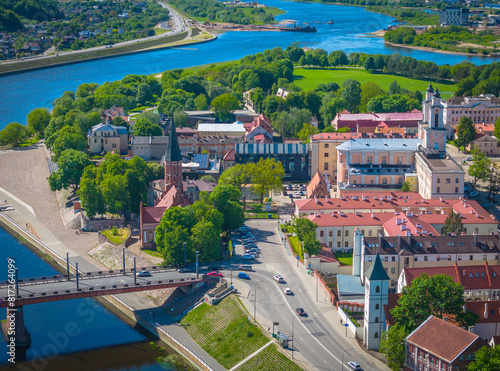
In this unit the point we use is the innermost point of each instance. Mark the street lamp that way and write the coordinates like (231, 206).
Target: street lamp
(345, 351)
(135, 272)
(185, 254)
(77, 284)
(255, 302)
(123, 250)
(196, 262)
(293, 322)
(67, 264)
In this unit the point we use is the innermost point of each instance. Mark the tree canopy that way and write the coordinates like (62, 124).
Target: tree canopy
(487, 358)
(224, 105)
(306, 233)
(144, 128)
(71, 165)
(265, 176)
(466, 132)
(14, 134)
(453, 223)
(38, 120)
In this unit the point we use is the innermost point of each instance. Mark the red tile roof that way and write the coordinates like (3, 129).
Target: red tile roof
(316, 180)
(391, 303)
(329, 220)
(326, 255)
(401, 224)
(441, 339)
(335, 136)
(488, 311)
(152, 214)
(229, 156)
(471, 277)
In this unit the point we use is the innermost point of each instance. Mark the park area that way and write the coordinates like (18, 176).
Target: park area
(226, 332)
(309, 78)
(116, 236)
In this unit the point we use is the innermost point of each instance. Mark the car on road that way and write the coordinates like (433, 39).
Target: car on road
(144, 274)
(243, 276)
(247, 257)
(288, 291)
(301, 312)
(185, 270)
(354, 365)
(279, 278)
(245, 267)
(214, 267)
(215, 274)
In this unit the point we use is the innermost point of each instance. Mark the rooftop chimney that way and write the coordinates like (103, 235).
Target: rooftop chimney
(315, 199)
(380, 241)
(326, 199)
(373, 216)
(475, 240)
(486, 310)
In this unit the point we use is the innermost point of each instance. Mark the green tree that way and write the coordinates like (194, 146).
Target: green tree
(201, 102)
(14, 134)
(406, 187)
(493, 181)
(69, 138)
(486, 359)
(369, 64)
(115, 193)
(351, 93)
(306, 233)
(305, 133)
(38, 120)
(206, 239)
(392, 344)
(438, 295)
(453, 223)
(236, 176)
(144, 128)
(225, 199)
(170, 238)
(224, 105)
(266, 176)
(71, 165)
(369, 90)
(466, 132)
(480, 167)
(208, 178)
(395, 88)
(497, 128)
(89, 192)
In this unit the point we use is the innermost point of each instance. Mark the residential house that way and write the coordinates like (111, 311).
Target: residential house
(107, 138)
(438, 345)
(148, 148)
(109, 114)
(228, 160)
(487, 144)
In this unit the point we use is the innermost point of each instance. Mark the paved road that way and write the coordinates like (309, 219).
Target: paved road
(319, 338)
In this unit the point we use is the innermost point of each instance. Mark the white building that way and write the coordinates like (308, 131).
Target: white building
(234, 130)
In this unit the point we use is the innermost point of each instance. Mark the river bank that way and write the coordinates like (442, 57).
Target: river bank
(422, 48)
(191, 37)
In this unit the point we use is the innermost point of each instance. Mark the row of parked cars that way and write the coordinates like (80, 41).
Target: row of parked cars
(249, 243)
(470, 191)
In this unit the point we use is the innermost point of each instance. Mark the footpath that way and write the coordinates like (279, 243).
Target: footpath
(20, 218)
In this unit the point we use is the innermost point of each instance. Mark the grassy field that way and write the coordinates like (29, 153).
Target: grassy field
(309, 78)
(296, 246)
(119, 238)
(227, 334)
(260, 17)
(344, 258)
(270, 359)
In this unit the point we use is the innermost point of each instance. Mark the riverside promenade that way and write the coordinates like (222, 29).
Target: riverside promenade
(31, 211)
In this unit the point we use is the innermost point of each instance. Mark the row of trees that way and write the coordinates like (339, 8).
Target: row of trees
(306, 233)
(199, 226)
(263, 177)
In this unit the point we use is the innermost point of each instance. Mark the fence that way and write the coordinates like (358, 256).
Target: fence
(324, 287)
(355, 330)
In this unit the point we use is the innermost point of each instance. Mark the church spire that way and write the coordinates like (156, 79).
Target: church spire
(173, 153)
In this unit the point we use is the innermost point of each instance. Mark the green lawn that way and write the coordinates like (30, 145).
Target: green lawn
(224, 331)
(29, 142)
(270, 359)
(120, 238)
(160, 31)
(259, 18)
(296, 246)
(260, 215)
(309, 78)
(344, 258)
(153, 253)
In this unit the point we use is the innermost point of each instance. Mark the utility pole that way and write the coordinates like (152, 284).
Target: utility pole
(124, 272)
(196, 262)
(77, 283)
(67, 264)
(135, 272)
(185, 254)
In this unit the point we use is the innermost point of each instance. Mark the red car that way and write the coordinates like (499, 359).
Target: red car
(215, 274)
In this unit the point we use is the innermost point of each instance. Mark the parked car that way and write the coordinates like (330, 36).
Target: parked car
(288, 291)
(214, 267)
(215, 274)
(354, 365)
(250, 246)
(296, 194)
(301, 312)
(285, 193)
(248, 242)
(144, 274)
(290, 195)
(247, 257)
(279, 278)
(243, 275)
(469, 159)
(253, 249)
(245, 267)
(185, 270)
(302, 193)
(473, 194)
(253, 253)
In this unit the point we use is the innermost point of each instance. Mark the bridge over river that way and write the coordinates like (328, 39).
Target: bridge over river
(16, 293)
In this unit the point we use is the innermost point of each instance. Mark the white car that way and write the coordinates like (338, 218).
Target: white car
(296, 194)
(354, 365)
(288, 291)
(279, 278)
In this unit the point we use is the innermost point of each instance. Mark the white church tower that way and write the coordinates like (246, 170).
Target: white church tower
(431, 129)
(376, 296)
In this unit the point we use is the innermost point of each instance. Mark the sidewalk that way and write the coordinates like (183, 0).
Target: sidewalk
(23, 214)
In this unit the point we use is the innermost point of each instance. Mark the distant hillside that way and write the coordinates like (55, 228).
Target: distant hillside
(13, 11)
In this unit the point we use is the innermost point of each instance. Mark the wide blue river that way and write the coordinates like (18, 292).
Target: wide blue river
(20, 93)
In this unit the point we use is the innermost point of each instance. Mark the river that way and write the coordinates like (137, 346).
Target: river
(20, 93)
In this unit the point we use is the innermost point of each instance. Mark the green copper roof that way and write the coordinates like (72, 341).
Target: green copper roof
(376, 272)
(173, 153)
